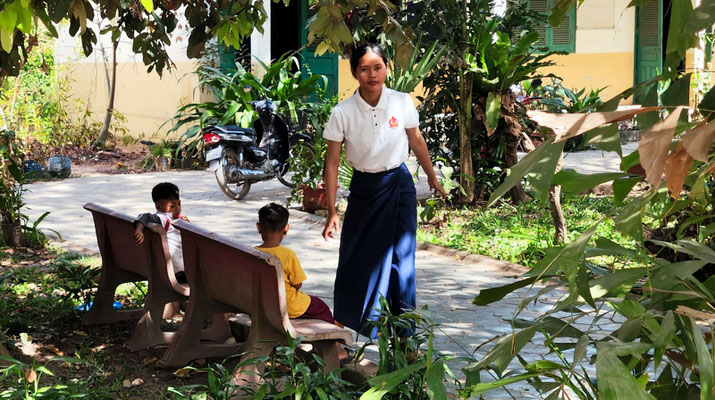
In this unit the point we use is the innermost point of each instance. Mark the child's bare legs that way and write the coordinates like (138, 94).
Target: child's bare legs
(219, 330)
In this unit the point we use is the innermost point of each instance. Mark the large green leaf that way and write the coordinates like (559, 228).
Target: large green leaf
(707, 104)
(559, 10)
(628, 219)
(435, 381)
(479, 388)
(705, 362)
(618, 281)
(503, 351)
(678, 93)
(488, 296)
(615, 381)
(608, 247)
(382, 384)
(646, 120)
(493, 111)
(702, 17)
(516, 173)
(148, 4)
(551, 325)
(548, 265)
(679, 39)
(664, 335)
(621, 188)
(573, 182)
(570, 257)
(541, 175)
(605, 138)
(691, 247)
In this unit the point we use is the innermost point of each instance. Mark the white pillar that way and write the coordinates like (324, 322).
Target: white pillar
(261, 43)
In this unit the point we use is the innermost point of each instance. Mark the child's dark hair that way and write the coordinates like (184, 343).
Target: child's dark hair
(165, 191)
(273, 217)
(362, 50)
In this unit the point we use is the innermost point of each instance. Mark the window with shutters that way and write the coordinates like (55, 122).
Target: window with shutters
(561, 38)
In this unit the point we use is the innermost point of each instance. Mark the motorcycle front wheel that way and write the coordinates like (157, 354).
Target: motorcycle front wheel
(235, 191)
(303, 151)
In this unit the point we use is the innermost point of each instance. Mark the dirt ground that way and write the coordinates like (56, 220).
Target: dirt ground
(115, 159)
(113, 371)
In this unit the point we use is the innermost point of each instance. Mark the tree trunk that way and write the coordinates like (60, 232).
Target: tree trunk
(517, 193)
(557, 216)
(110, 108)
(465, 122)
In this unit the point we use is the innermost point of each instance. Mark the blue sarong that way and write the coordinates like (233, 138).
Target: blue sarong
(377, 248)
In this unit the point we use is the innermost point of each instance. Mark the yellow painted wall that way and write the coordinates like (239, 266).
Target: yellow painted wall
(145, 100)
(593, 71)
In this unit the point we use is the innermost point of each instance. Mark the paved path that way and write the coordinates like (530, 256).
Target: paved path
(447, 285)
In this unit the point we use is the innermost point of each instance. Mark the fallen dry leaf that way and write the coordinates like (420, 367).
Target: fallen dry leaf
(698, 140)
(138, 382)
(127, 383)
(55, 350)
(150, 360)
(701, 315)
(654, 146)
(569, 125)
(30, 375)
(676, 169)
(80, 333)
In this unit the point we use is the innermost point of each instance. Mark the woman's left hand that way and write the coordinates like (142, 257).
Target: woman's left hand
(435, 186)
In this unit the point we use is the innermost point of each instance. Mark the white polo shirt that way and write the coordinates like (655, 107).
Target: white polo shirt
(374, 137)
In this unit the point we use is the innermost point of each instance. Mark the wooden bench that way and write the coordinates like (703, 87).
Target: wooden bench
(123, 261)
(227, 276)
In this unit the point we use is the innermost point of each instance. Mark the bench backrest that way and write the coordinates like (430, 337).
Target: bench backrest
(235, 274)
(115, 238)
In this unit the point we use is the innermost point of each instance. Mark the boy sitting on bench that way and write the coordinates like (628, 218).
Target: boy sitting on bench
(273, 226)
(168, 206)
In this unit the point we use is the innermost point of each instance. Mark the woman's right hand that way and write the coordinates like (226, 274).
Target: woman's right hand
(332, 226)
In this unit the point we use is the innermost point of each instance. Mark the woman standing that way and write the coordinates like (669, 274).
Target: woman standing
(377, 243)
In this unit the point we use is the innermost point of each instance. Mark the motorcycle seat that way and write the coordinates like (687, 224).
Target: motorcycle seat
(231, 130)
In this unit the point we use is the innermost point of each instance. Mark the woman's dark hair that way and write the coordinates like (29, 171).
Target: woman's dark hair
(362, 50)
(273, 217)
(165, 191)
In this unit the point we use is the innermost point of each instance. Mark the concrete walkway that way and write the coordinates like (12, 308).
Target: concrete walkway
(446, 284)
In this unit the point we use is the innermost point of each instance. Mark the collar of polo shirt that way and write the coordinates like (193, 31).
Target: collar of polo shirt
(381, 104)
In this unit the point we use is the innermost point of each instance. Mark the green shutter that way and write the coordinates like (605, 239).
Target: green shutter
(561, 38)
(541, 6)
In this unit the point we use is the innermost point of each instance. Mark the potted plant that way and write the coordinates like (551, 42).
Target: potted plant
(163, 154)
(307, 163)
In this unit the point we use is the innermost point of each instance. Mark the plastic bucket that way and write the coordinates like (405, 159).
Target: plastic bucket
(59, 166)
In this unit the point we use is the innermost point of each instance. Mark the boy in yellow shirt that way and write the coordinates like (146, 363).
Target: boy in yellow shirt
(273, 226)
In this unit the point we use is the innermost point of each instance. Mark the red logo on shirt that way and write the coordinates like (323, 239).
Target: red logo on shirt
(393, 122)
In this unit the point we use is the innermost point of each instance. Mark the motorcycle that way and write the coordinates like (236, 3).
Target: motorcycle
(241, 157)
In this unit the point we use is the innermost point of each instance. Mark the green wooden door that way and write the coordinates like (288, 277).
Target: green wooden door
(649, 41)
(327, 64)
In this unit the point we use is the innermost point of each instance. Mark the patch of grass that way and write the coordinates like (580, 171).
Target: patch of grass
(52, 353)
(519, 234)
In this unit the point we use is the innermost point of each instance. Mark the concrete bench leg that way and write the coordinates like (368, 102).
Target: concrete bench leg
(148, 331)
(187, 344)
(328, 350)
